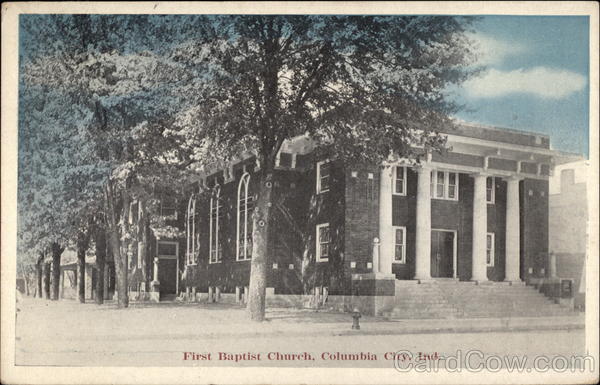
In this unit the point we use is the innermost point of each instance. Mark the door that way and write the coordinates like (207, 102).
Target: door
(167, 275)
(442, 254)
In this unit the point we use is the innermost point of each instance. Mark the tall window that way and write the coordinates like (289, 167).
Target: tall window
(323, 241)
(191, 253)
(400, 180)
(216, 209)
(323, 176)
(244, 220)
(444, 185)
(400, 245)
(489, 247)
(490, 194)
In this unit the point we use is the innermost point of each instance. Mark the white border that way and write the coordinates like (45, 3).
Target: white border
(187, 375)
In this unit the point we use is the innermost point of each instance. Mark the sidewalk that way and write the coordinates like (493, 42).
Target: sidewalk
(212, 321)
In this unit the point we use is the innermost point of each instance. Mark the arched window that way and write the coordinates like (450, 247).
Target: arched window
(216, 208)
(244, 220)
(192, 240)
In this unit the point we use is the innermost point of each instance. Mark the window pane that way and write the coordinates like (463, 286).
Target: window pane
(488, 257)
(324, 176)
(399, 252)
(452, 179)
(488, 195)
(399, 237)
(400, 180)
(440, 184)
(489, 242)
(489, 182)
(324, 234)
(167, 249)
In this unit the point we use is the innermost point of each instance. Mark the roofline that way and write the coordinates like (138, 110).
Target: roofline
(496, 128)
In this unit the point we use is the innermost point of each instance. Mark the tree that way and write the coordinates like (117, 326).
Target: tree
(365, 88)
(107, 69)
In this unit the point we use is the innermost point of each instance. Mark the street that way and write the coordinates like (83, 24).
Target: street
(67, 333)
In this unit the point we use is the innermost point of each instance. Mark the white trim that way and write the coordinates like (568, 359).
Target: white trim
(244, 181)
(319, 164)
(214, 235)
(318, 243)
(403, 192)
(567, 157)
(403, 260)
(493, 195)
(493, 250)
(454, 249)
(445, 185)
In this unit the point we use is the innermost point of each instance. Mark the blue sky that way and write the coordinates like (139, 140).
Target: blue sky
(536, 78)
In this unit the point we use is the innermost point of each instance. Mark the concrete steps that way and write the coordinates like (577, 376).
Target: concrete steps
(453, 299)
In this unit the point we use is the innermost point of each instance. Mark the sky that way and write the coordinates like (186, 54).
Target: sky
(536, 78)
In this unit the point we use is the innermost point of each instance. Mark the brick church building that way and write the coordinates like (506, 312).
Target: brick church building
(477, 213)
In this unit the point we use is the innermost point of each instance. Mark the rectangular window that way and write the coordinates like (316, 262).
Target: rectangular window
(444, 185)
(168, 206)
(489, 247)
(490, 194)
(323, 176)
(400, 245)
(168, 250)
(400, 180)
(323, 241)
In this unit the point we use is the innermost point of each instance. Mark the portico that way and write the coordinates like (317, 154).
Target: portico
(491, 174)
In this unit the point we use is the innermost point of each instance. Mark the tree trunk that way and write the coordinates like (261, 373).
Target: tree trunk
(82, 245)
(39, 275)
(47, 266)
(26, 280)
(142, 235)
(119, 257)
(260, 237)
(100, 261)
(57, 251)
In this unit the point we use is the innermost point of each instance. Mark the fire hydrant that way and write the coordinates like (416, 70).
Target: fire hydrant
(355, 317)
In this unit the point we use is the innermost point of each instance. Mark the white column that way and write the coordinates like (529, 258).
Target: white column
(479, 266)
(386, 233)
(512, 231)
(423, 236)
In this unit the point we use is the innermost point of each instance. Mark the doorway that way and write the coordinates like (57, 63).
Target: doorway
(443, 253)
(168, 267)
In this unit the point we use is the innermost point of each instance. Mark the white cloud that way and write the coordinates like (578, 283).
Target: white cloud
(494, 51)
(539, 81)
